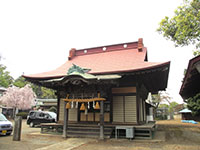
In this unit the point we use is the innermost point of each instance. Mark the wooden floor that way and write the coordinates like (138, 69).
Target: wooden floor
(147, 125)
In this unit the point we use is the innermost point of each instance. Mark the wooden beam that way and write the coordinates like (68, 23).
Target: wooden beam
(124, 90)
(65, 125)
(102, 120)
(85, 100)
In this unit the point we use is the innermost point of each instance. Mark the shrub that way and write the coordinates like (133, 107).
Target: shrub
(53, 109)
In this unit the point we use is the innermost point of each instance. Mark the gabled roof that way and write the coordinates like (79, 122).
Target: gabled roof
(119, 58)
(190, 86)
(2, 89)
(185, 111)
(46, 100)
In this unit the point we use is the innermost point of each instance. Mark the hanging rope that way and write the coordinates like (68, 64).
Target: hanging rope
(93, 105)
(72, 104)
(76, 104)
(84, 99)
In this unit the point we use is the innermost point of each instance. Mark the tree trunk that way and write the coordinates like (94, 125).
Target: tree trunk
(15, 112)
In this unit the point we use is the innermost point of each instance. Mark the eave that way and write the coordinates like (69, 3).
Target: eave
(190, 86)
(155, 78)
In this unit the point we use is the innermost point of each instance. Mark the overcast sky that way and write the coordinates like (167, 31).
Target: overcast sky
(36, 36)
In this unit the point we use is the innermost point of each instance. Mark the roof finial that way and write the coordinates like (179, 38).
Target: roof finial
(140, 44)
(72, 53)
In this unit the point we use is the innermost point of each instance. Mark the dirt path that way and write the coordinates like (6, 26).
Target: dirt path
(179, 136)
(28, 141)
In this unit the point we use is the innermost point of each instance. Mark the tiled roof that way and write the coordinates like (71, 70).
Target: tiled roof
(190, 85)
(125, 57)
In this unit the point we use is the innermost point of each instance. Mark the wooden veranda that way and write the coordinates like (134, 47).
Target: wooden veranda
(92, 130)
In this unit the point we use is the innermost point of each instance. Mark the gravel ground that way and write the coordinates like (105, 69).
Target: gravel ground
(28, 141)
(179, 136)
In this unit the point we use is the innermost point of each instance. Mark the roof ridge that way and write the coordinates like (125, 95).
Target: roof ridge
(108, 51)
(107, 48)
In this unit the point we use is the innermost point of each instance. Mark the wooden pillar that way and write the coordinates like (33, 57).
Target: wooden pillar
(102, 120)
(65, 125)
(143, 110)
(58, 105)
(17, 128)
(111, 105)
(137, 103)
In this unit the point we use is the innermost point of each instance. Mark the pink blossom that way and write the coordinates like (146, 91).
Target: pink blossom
(21, 98)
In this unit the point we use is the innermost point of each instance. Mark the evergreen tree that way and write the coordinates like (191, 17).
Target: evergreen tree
(5, 78)
(184, 27)
(193, 104)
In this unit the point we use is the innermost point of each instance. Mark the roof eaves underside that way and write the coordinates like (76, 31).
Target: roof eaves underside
(155, 78)
(191, 81)
(97, 77)
(148, 67)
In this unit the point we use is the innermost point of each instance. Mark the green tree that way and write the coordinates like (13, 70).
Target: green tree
(172, 105)
(163, 106)
(43, 92)
(5, 78)
(20, 82)
(193, 104)
(47, 93)
(184, 27)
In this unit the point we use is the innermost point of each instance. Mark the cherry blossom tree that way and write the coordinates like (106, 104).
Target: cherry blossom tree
(18, 98)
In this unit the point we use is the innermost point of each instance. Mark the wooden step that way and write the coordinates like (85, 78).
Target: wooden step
(86, 128)
(83, 130)
(86, 136)
(87, 132)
